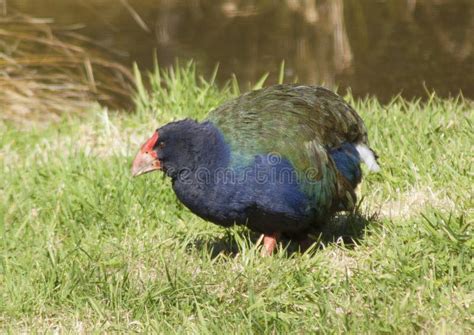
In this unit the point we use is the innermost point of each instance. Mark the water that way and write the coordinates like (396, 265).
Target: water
(379, 48)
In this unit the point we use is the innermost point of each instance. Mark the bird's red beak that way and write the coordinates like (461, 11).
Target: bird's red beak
(146, 159)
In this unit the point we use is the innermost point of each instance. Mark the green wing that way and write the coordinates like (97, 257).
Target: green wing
(299, 123)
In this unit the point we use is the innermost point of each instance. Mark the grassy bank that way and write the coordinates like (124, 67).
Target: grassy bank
(86, 247)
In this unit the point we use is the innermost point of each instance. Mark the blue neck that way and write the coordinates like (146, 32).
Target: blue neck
(202, 150)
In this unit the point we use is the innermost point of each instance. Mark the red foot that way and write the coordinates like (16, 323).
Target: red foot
(269, 243)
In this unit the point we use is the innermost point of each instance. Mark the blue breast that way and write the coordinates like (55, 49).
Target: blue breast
(263, 194)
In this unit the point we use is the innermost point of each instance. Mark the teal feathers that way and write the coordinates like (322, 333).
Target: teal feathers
(301, 124)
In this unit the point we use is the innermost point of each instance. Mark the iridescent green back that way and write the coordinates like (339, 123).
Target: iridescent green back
(299, 123)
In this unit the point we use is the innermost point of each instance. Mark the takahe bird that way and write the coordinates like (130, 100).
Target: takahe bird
(280, 160)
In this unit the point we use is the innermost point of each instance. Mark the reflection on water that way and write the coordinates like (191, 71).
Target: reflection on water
(373, 47)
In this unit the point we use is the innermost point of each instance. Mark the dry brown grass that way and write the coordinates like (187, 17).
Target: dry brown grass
(47, 70)
(415, 201)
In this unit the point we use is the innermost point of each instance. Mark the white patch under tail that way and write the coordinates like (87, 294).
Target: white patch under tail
(368, 157)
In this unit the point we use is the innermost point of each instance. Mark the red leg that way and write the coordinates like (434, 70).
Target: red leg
(269, 243)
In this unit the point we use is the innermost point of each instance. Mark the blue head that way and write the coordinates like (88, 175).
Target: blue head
(181, 146)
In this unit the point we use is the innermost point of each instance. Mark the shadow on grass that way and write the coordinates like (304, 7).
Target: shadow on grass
(346, 228)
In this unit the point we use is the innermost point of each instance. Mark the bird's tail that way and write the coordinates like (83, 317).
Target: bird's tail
(368, 156)
(347, 159)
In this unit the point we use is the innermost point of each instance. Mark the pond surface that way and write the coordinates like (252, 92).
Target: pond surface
(379, 48)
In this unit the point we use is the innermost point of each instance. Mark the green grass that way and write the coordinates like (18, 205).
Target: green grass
(84, 247)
